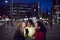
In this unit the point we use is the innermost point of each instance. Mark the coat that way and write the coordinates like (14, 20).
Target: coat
(19, 35)
(31, 32)
(39, 35)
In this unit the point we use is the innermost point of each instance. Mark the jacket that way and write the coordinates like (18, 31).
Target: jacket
(40, 35)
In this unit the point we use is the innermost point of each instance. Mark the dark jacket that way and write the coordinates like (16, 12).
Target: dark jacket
(18, 35)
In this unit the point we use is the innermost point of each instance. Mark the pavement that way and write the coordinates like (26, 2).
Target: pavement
(8, 33)
(53, 33)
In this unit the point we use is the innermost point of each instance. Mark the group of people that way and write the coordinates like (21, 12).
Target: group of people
(3, 17)
(30, 31)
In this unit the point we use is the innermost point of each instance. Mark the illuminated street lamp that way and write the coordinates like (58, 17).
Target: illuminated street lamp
(39, 9)
(6, 1)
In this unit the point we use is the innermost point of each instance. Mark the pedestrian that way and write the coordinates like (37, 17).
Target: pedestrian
(29, 30)
(40, 33)
(7, 20)
(51, 24)
(19, 34)
(4, 17)
(1, 19)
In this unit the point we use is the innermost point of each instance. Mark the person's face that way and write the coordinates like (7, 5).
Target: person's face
(36, 25)
(28, 24)
(23, 24)
(7, 16)
(3, 15)
(0, 16)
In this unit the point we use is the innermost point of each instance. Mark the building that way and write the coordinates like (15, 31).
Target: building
(55, 11)
(3, 10)
(20, 10)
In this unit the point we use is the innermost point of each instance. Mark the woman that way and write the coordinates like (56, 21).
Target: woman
(40, 33)
(29, 30)
(19, 34)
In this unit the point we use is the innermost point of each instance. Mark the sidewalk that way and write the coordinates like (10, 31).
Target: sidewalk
(54, 33)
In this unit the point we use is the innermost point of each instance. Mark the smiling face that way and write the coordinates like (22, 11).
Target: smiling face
(28, 24)
(23, 24)
(36, 25)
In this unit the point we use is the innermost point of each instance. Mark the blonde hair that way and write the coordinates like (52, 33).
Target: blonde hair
(20, 24)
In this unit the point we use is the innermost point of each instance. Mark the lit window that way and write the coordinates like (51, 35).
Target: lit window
(34, 9)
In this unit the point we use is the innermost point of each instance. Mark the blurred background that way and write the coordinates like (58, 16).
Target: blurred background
(14, 11)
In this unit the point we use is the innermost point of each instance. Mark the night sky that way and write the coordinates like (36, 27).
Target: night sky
(45, 4)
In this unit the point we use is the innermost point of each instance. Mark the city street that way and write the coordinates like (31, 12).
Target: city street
(8, 33)
(14, 11)
(54, 33)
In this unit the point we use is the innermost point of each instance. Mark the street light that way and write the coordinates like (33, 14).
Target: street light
(6, 4)
(6, 1)
(39, 9)
(12, 9)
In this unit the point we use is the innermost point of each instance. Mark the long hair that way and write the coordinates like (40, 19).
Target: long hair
(42, 27)
(18, 33)
(20, 24)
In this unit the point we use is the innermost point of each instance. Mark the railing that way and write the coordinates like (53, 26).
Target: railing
(5, 22)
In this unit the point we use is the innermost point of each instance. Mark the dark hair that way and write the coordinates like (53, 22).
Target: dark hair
(30, 21)
(42, 27)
